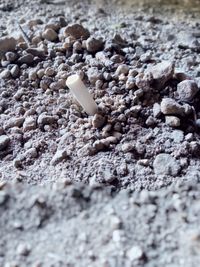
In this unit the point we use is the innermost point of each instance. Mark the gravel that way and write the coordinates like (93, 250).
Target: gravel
(140, 65)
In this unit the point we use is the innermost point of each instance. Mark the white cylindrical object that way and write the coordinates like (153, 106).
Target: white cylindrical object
(81, 93)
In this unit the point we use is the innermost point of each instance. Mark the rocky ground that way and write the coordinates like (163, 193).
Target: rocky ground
(141, 64)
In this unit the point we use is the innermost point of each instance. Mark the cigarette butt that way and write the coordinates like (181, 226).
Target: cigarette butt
(81, 94)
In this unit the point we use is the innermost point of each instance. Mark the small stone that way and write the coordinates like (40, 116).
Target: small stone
(50, 35)
(58, 157)
(172, 121)
(14, 122)
(49, 71)
(93, 75)
(117, 235)
(77, 31)
(40, 73)
(151, 121)
(15, 71)
(130, 83)
(23, 249)
(170, 107)
(122, 69)
(7, 44)
(156, 110)
(98, 121)
(162, 72)
(144, 81)
(29, 124)
(135, 253)
(178, 136)
(37, 52)
(165, 164)
(127, 147)
(5, 74)
(4, 142)
(187, 90)
(93, 45)
(45, 119)
(32, 75)
(31, 153)
(26, 59)
(11, 56)
(115, 222)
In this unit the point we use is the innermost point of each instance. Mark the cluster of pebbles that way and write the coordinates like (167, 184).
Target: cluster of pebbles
(148, 119)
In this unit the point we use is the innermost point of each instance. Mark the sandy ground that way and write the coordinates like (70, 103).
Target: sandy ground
(140, 62)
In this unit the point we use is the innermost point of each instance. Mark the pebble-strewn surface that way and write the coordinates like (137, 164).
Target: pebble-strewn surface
(142, 66)
(143, 72)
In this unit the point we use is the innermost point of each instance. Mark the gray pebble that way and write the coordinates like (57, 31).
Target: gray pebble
(165, 164)
(170, 107)
(26, 59)
(162, 72)
(178, 136)
(23, 249)
(187, 90)
(4, 142)
(29, 124)
(93, 75)
(45, 119)
(50, 35)
(11, 56)
(14, 122)
(172, 121)
(5, 74)
(98, 121)
(156, 110)
(15, 71)
(31, 153)
(93, 45)
(122, 69)
(135, 253)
